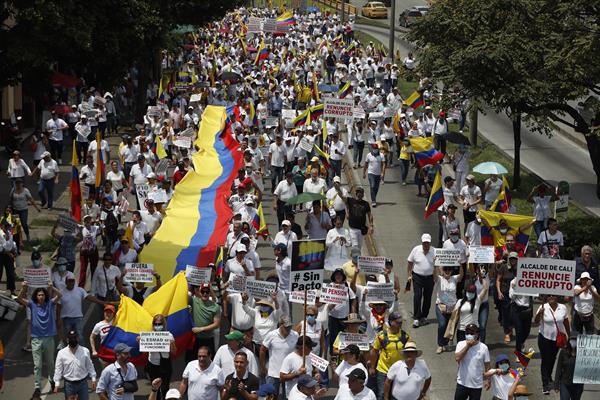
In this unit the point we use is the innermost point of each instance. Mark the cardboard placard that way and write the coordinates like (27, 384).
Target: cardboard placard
(562, 203)
(359, 339)
(319, 363)
(306, 145)
(85, 192)
(380, 291)
(587, 367)
(183, 142)
(37, 277)
(197, 275)
(68, 222)
(141, 191)
(155, 342)
(537, 276)
(271, 122)
(358, 113)
(90, 114)
(153, 111)
(161, 167)
(447, 257)
(376, 115)
(288, 114)
(338, 108)
(139, 272)
(308, 261)
(260, 289)
(481, 254)
(298, 297)
(237, 283)
(371, 265)
(334, 294)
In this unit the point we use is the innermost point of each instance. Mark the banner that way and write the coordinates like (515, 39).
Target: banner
(380, 291)
(288, 114)
(338, 108)
(183, 142)
(141, 191)
(447, 257)
(196, 275)
(358, 113)
(155, 341)
(537, 276)
(308, 261)
(37, 277)
(139, 272)
(237, 283)
(481, 254)
(260, 289)
(371, 264)
(269, 25)
(68, 222)
(587, 367)
(359, 339)
(254, 25)
(319, 363)
(334, 294)
(306, 145)
(298, 297)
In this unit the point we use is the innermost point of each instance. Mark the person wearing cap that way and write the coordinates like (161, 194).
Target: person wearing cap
(583, 304)
(375, 169)
(501, 377)
(48, 169)
(88, 252)
(429, 120)
(118, 380)
(351, 360)
(420, 274)
(360, 219)
(278, 343)
(285, 236)
(101, 329)
(267, 392)
(238, 265)
(469, 198)
(505, 273)
(277, 160)
(335, 198)
(266, 315)
(460, 164)
(468, 310)
(151, 217)
(250, 215)
(56, 128)
(224, 357)
(306, 389)
(473, 358)
(454, 242)
(337, 150)
(285, 190)
(75, 367)
(129, 155)
(445, 289)
(355, 387)
(42, 307)
(408, 378)
(88, 175)
(206, 314)
(294, 365)
(440, 128)
(358, 136)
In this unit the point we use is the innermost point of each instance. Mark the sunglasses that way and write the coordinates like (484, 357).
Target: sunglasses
(205, 291)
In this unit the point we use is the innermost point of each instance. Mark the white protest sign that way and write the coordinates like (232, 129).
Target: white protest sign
(139, 272)
(359, 339)
(545, 276)
(308, 259)
(298, 297)
(237, 283)
(288, 114)
(260, 289)
(481, 254)
(68, 222)
(271, 122)
(447, 257)
(269, 25)
(561, 204)
(319, 363)
(196, 275)
(183, 142)
(388, 113)
(380, 291)
(587, 367)
(85, 192)
(371, 265)
(91, 114)
(155, 341)
(195, 98)
(338, 108)
(306, 145)
(141, 191)
(334, 294)
(358, 113)
(161, 167)
(254, 25)
(158, 196)
(37, 277)
(188, 132)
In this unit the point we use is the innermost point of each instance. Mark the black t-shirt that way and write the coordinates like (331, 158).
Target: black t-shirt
(357, 213)
(297, 230)
(330, 60)
(251, 383)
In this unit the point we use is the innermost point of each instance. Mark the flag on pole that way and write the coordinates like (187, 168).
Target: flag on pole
(302, 119)
(261, 54)
(287, 18)
(424, 151)
(76, 199)
(414, 101)
(99, 160)
(502, 202)
(436, 197)
(219, 264)
(345, 90)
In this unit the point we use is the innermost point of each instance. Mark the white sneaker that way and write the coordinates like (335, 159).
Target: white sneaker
(60, 161)
(415, 323)
(439, 350)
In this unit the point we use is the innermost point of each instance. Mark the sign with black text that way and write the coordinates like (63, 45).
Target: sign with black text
(481, 254)
(139, 272)
(260, 289)
(371, 264)
(380, 291)
(196, 275)
(537, 276)
(308, 261)
(155, 342)
(447, 257)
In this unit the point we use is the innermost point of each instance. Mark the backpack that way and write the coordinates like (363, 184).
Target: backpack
(386, 339)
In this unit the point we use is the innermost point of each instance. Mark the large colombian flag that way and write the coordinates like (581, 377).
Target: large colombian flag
(424, 151)
(287, 18)
(519, 226)
(171, 300)
(197, 218)
(436, 198)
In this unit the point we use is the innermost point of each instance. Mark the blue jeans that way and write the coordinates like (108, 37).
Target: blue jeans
(464, 393)
(380, 381)
(79, 388)
(484, 312)
(337, 167)
(277, 383)
(276, 177)
(538, 227)
(442, 324)
(23, 216)
(46, 192)
(358, 149)
(374, 181)
(73, 324)
(571, 392)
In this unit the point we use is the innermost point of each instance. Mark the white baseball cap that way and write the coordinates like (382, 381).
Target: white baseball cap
(426, 237)
(173, 394)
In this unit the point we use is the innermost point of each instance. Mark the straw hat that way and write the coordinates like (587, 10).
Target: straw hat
(521, 390)
(265, 302)
(411, 346)
(353, 318)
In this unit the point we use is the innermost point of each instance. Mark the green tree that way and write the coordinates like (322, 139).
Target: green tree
(530, 59)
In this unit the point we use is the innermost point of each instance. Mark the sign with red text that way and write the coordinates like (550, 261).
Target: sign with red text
(338, 108)
(334, 294)
(537, 276)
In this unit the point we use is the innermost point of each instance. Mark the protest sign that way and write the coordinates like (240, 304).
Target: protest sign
(587, 367)
(85, 192)
(371, 265)
(319, 363)
(90, 114)
(447, 257)
(288, 114)
(68, 222)
(306, 145)
(37, 277)
(269, 25)
(158, 196)
(271, 122)
(380, 291)
(196, 275)
(308, 260)
(358, 113)
(194, 98)
(334, 294)
(237, 283)
(254, 25)
(376, 115)
(153, 111)
(537, 276)
(561, 204)
(155, 341)
(481, 254)
(260, 289)
(161, 167)
(141, 191)
(188, 132)
(183, 142)
(298, 297)
(338, 108)
(139, 272)
(359, 339)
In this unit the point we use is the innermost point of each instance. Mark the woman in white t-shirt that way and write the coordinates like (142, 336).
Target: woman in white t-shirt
(350, 360)
(117, 178)
(101, 329)
(314, 330)
(159, 363)
(541, 206)
(492, 188)
(266, 314)
(553, 318)
(583, 303)
(501, 378)
(468, 308)
(445, 293)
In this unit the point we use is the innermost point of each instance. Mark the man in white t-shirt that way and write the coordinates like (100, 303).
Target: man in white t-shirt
(48, 178)
(202, 378)
(550, 241)
(151, 217)
(56, 127)
(292, 366)
(375, 168)
(409, 377)
(420, 275)
(277, 160)
(469, 198)
(278, 343)
(473, 358)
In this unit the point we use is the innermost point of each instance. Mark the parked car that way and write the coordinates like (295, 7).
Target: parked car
(424, 9)
(409, 17)
(374, 9)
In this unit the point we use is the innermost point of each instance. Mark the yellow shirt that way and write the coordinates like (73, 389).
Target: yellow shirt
(392, 351)
(405, 151)
(349, 271)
